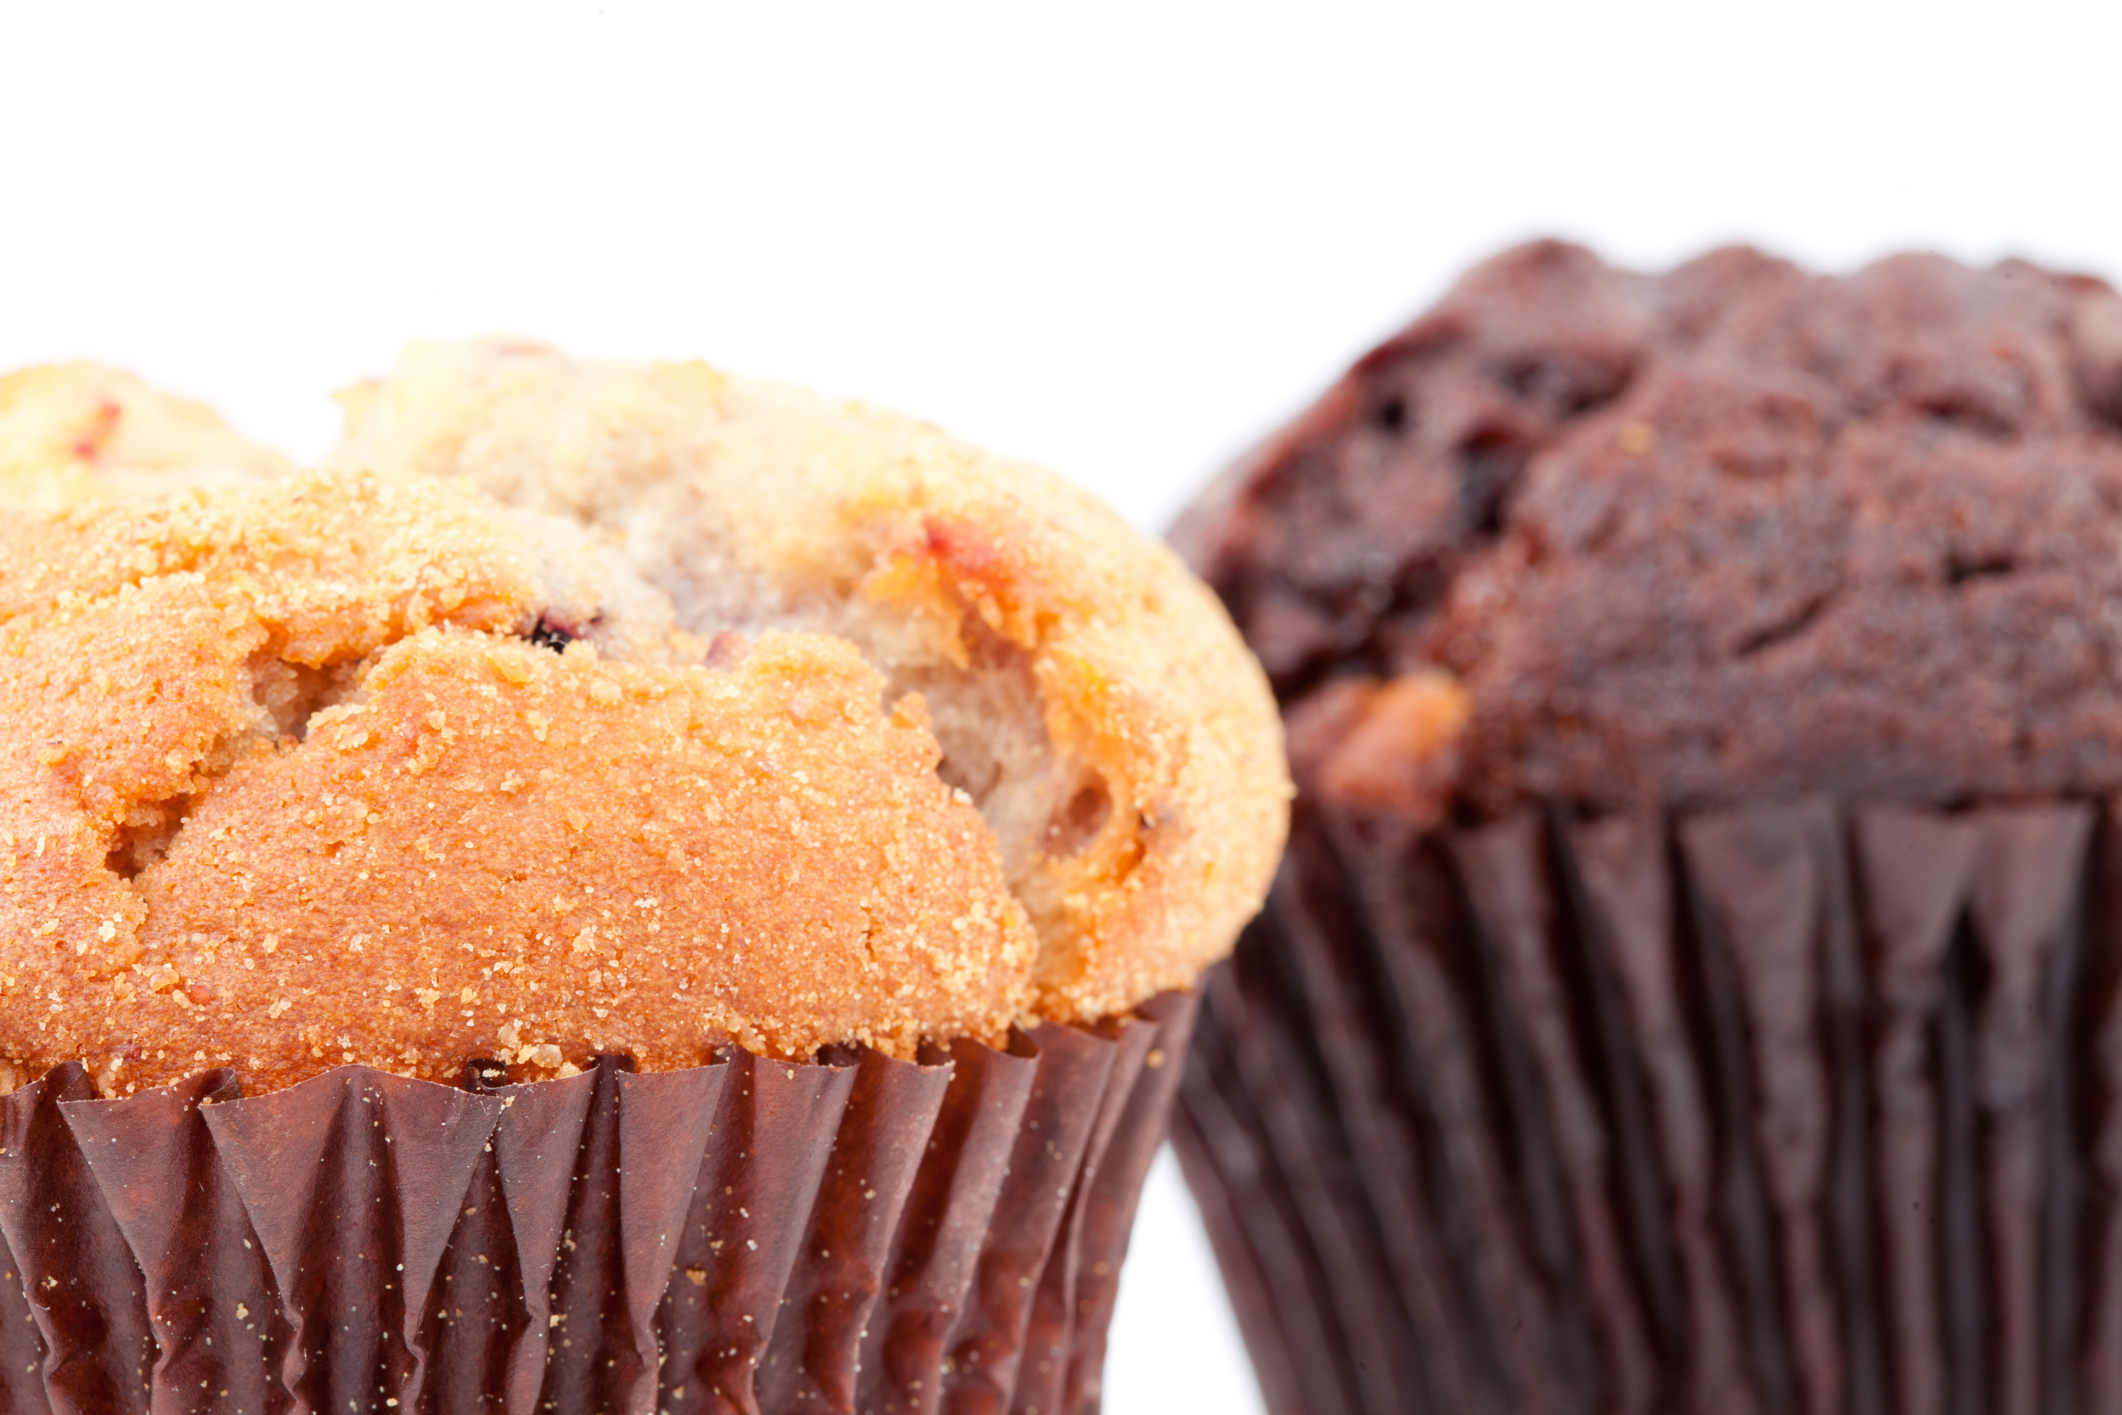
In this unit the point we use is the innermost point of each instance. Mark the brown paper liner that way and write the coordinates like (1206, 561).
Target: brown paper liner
(854, 1234)
(1799, 1108)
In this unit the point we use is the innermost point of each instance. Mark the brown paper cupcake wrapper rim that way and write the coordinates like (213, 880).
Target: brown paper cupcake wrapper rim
(751, 1235)
(1791, 1108)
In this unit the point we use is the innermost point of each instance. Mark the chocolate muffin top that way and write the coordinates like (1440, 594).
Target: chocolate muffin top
(1736, 531)
(798, 724)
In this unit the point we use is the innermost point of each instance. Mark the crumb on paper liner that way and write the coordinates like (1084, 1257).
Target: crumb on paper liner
(858, 1233)
(1809, 1107)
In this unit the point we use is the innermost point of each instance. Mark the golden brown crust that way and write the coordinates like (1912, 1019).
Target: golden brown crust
(1147, 836)
(307, 771)
(488, 849)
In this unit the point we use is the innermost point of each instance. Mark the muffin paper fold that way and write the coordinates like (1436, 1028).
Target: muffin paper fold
(1809, 1107)
(853, 1233)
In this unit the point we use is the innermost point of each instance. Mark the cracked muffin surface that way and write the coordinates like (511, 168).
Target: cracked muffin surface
(295, 786)
(365, 765)
(1087, 692)
(1733, 532)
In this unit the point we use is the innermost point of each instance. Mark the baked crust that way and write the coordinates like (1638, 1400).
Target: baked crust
(69, 432)
(1727, 534)
(485, 848)
(363, 766)
(1089, 693)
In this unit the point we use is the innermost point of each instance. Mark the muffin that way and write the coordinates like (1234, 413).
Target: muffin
(1692, 984)
(630, 888)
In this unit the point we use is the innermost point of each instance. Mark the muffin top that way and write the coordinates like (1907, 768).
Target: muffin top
(581, 708)
(69, 431)
(1736, 531)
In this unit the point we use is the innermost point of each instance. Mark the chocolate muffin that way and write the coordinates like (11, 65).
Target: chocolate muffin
(635, 888)
(1692, 984)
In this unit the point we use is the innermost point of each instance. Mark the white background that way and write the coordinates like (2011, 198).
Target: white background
(1122, 239)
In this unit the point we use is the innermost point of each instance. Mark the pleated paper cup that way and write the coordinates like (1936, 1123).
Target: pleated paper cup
(857, 1233)
(1809, 1108)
